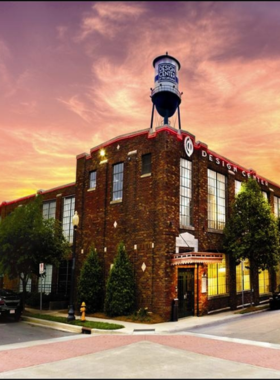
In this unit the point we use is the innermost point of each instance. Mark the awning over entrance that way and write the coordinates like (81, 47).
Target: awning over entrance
(196, 258)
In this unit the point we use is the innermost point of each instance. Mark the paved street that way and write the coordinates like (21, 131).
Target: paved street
(19, 332)
(154, 353)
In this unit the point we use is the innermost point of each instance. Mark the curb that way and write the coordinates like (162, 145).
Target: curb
(66, 327)
(52, 324)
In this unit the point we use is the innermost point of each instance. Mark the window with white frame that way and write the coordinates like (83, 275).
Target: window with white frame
(68, 213)
(28, 285)
(117, 192)
(243, 276)
(92, 179)
(238, 185)
(276, 207)
(265, 195)
(49, 209)
(217, 278)
(185, 192)
(216, 200)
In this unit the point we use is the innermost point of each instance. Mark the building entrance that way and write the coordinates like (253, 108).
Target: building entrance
(185, 292)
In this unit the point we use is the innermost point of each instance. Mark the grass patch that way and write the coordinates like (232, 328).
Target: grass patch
(76, 322)
(251, 309)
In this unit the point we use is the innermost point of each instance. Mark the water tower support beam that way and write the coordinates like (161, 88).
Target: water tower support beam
(152, 118)
(179, 118)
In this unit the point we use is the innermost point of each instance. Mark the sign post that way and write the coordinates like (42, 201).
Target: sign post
(41, 272)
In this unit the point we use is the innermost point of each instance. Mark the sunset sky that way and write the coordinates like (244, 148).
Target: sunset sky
(76, 74)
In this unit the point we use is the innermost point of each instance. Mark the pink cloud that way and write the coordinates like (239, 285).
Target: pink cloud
(74, 77)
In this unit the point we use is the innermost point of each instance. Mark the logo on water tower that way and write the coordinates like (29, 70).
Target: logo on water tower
(188, 145)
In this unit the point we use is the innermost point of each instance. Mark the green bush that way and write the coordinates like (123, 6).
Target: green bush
(90, 283)
(120, 296)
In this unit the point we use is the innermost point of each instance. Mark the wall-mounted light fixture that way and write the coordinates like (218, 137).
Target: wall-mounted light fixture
(204, 283)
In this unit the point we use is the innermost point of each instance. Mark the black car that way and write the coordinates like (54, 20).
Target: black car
(275, 301)
(10, 304)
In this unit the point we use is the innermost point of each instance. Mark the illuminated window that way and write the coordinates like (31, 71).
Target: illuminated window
(216, 200)
(68, 213)
(277, 287)
(146, 163)
(92, 179)
(117, 182)
(49, 209)
(237, 186)
(243, 276)
(185, 192)
(264, 282)
(217, 278)
(277, 207)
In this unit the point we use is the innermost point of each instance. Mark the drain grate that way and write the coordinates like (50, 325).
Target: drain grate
(144, 331)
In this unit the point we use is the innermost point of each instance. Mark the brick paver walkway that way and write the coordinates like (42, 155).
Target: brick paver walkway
(16, 358)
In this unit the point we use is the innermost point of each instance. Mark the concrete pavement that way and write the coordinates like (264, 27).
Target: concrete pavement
(137, 328)
(143, 351)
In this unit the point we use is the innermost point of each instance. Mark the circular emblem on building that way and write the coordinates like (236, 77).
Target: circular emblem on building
(188, 144)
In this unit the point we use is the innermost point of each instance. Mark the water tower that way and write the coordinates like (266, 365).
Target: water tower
(165, 95)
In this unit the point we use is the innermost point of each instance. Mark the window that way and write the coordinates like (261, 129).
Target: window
(216, 200)
(217, 278)
(237, 187)
(28, 285)
(48, 212)
(264, 282)
(68, 213)
(265, 195)
(117, 182)
(49, 209)
(243, 276)
(64, 277)
(185, 192)
(146, 163)
(277, 207)
(92, 179)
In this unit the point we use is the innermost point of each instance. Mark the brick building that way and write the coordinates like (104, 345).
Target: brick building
(166, 196)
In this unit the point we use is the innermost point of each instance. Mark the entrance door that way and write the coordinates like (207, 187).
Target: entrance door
(185, 292)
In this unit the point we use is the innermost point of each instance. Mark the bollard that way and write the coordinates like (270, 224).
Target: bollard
(83, 311)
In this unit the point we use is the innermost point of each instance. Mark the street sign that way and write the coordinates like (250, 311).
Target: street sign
(41, 268)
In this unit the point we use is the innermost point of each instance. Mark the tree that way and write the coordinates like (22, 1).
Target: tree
(251, 231)
(27, 239)
(90, 283)
(120, 298)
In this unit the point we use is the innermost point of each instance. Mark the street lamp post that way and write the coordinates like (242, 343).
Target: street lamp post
(71, 311)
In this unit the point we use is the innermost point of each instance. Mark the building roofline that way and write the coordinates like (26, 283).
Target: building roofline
(6, 203)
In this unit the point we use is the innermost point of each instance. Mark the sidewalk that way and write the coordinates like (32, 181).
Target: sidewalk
(134, 327)
(142, 351)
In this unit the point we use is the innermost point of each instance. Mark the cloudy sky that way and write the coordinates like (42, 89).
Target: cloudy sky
(76, 74)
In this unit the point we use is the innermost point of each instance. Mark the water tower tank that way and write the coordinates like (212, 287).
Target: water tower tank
(165, 95)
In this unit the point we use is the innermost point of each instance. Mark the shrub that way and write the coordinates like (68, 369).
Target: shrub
(120, 296)
(90, 283)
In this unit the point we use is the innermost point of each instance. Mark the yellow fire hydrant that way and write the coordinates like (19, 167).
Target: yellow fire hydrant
(83, 311)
